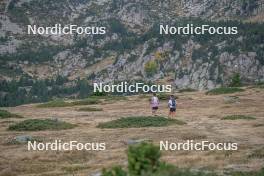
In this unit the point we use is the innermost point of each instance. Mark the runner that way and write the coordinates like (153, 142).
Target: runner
(172, 105)
(154, 104)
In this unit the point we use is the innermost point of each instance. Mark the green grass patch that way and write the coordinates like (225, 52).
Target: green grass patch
(85, 102)
(88, 101)
(238, 117)
(138, 122)
(5, 115)
(224, 90)
(55, 103)
(90, 109)
(163, 97)
(40, 124)
(61, 103)
(187, 90)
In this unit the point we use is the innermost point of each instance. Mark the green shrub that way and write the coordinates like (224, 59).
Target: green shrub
(237, 117)
(115, 171)
(187, 90)
(90, 109)
(143, 159)
(163, 96)
(138, 122)
(224, 90)
(5, 114)
(85, 102)
(55, 103)
(40, 124)
(236, 80)
(151, 67)
(61, 103)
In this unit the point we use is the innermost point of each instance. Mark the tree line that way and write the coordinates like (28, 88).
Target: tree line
(29, 90)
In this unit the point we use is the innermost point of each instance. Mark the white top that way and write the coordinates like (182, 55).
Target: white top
(154, 102)
(170, 104)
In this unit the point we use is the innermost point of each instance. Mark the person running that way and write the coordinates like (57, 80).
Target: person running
(172, 105)
(154, 104)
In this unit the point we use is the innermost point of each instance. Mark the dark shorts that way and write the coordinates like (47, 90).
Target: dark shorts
(155, 108)
(172, 109)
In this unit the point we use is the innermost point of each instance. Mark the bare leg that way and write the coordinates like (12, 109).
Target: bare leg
(154, 112)
(170, 115)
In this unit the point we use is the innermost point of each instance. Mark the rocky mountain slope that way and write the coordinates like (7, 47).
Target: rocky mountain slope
(132, 48)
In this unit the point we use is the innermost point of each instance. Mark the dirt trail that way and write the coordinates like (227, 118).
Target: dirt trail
(201, 112)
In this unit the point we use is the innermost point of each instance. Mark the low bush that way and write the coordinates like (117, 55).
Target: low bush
(138, 122)
(151, 67)
(144, 159)
(55, 103)
(85, 102)
(237, 117)
(115, 171)
(88, 109)
(224, 90)
(163, 96)
(235, 80)
(5, 114)
(61, 103)
(187, 90)
(40, 124)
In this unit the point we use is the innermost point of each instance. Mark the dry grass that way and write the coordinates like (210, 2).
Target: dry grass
(201, 112)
